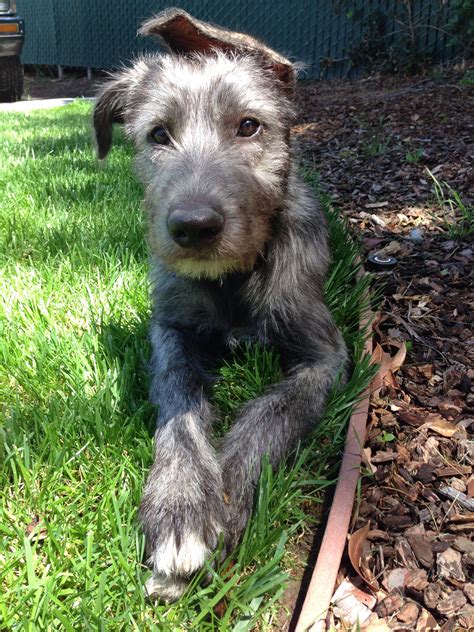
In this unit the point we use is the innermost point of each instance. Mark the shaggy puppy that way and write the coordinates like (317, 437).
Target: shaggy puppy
(238, 249)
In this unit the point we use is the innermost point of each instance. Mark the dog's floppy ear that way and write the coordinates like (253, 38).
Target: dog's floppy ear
(108, 110)
(181, 33)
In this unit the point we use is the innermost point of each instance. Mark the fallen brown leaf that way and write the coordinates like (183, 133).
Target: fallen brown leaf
(440, 425)
(35, 532)
(355, 551)
(470, 487)
(388, 367)
(352, 604)
(220, 608)
(463, 518)
(399, 358)
(427, 370)
(366, 460)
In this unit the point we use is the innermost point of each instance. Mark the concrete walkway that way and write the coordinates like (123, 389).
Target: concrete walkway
(38, 104)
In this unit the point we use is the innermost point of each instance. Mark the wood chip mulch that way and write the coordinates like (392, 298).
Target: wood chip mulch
(412, 544)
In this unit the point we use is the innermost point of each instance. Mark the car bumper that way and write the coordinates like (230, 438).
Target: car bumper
(12, 35)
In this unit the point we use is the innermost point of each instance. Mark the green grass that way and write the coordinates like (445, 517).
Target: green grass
(460, 224)
(414, 156)
(468, 78)
(75, 432)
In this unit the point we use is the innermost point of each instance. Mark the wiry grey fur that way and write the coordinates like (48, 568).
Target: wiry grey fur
(263, 277)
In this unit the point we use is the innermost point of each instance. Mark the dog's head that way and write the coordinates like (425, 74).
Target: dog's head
(210, 122)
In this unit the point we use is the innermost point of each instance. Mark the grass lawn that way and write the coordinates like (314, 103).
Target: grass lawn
(75, 427)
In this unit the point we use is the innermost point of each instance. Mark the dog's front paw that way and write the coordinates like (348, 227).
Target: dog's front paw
(182, 525)
(173, 560)
(165, 588)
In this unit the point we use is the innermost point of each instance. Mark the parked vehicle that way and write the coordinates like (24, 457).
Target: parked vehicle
(12, 35)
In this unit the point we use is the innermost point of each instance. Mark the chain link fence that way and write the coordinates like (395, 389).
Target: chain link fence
(333, 38)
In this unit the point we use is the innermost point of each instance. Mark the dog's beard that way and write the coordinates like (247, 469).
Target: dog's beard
(211, 269)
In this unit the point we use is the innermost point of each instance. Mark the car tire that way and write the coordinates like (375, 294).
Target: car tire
(11, 79)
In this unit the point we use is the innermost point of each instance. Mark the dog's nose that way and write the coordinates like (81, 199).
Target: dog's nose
(195, 228)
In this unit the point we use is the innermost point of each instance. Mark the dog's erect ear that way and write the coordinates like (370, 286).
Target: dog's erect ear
(181, 33)
(108, 110)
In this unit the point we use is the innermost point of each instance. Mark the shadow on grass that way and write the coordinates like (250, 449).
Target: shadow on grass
(127, 347)
(75, 131)
(100, 210)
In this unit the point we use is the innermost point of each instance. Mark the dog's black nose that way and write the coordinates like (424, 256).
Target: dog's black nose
(195, 227)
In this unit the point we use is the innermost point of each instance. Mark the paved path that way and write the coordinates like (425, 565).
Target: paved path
(38, 104)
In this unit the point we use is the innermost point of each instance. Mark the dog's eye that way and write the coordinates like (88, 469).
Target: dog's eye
(159, 136)
(248, 127)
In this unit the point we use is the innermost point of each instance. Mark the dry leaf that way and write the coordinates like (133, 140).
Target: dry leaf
(388, 366)
(427, 370)
(220, 608)
(355, 550)
(34, 530)
(440, 425)
(384, 456)
(383, 359)
(366, 460)
(352, 604)
(399, 358)
(463, 518)
(392, 248)
(470, 487)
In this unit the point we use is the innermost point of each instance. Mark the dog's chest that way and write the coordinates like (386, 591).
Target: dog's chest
(230, 306)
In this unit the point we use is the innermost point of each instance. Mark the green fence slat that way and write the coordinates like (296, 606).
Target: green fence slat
(102, 33)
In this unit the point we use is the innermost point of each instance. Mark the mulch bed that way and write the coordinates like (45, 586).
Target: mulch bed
(371, 141)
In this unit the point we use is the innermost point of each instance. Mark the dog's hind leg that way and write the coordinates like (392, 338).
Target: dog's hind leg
(273, 424)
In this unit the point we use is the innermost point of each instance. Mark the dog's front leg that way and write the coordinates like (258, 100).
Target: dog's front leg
(182, 507)
(274, 423)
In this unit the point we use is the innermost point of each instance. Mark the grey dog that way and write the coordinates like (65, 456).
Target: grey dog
(238, 249)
